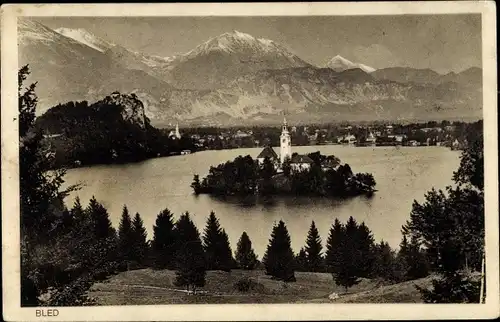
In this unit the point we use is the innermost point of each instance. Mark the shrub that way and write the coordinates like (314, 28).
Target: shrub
(247, 284)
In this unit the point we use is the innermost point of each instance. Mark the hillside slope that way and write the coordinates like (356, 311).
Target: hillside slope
(147, 286)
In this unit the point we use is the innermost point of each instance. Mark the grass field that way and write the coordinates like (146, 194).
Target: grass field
(147, 286)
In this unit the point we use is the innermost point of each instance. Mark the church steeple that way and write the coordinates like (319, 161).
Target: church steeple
(285, 143)
(285, 128)
(177, 133)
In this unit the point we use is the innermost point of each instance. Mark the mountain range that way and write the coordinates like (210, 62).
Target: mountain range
(236, 78)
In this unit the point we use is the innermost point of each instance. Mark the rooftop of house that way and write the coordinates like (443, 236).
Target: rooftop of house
(267, 152)
(298, 158)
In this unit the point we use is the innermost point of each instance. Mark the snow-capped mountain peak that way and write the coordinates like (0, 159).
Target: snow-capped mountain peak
(85, 37)
(339, 64)
(238, 42)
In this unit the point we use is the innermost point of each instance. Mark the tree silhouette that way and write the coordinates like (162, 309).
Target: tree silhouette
(125, 236)
(245, 256)
(164, 239)
(216, 246)
(190, 263)
(287, 168)
(195, 185)
(99, 216)
(364, 245)
(301, 261)
(384, 265)
(349, 249)
(313, 249)
(279, 258)
(140, 245)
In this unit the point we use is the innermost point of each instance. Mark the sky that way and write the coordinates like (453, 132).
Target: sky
(440, 42)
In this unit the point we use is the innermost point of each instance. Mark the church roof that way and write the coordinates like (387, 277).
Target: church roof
(298, 158)
(267, 152)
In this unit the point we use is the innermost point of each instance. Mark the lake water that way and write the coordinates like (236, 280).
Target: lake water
(402, 175)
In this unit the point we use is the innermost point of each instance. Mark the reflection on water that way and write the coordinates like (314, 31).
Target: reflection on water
(148, 187)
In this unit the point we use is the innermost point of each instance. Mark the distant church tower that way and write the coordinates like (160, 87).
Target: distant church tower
(177, 133)
(285, 143)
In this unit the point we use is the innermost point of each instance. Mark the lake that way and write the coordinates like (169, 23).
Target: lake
(402, 175)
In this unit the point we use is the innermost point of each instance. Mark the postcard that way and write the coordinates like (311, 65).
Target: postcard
(249, 161)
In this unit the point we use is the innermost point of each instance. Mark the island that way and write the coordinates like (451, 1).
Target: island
(312, 174)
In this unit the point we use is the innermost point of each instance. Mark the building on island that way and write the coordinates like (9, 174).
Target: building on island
(300, 162)
(297, 162)
(269, 153)
(285, 143)
(175, 134)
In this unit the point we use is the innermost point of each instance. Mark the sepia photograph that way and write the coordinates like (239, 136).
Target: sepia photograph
(329, 156)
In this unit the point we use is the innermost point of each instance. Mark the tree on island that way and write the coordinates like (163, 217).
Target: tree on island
(218, 253)
(195, 185)
(313, 250)
(279, 258)
(245, 256)
(287, 167)
(125, 236)
(140, 245)
(163, 244)
(190, 258)
(266, 172)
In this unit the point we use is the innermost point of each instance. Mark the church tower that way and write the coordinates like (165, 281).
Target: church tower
(285, 143)
(177, 133)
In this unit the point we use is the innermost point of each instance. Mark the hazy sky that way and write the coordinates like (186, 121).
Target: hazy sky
(440, 42)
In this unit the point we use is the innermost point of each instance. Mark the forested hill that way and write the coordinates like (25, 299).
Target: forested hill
(112, 130)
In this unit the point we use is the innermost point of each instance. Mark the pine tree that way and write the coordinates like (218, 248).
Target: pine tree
(411, 260)
(279, 258)
(341, 257)
(196, 184)
(334, 246)
(364, 245)
(216, 246)
(190, 263)
(139, 235)
(313, 250)
(164, 240)
(227, 262)
(245, 256)
(77, 212)
(385, 261)
(99, 217)
(125, 236)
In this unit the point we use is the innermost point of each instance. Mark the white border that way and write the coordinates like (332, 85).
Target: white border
(226, 312)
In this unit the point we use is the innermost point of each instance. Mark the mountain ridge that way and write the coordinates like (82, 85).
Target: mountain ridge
(236, 78)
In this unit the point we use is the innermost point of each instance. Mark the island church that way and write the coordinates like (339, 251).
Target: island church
(297, 162)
